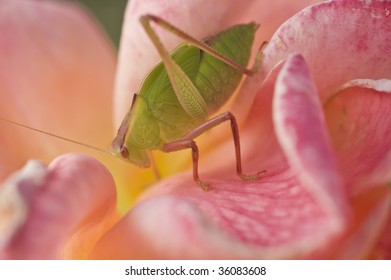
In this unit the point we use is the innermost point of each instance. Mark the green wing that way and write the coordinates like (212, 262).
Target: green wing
(157, 91)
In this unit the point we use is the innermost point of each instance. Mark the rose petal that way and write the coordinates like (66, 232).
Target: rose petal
(57, 75)
(275, 217)
(359, 125)
(364, 34)
(371, 212)
(252, 217)
(209, 225)
(64, 219)
(304, 137)
(382, 85)
(13, 208)
(272, 14)
(181, 224)
(259, 219)
(382, 249)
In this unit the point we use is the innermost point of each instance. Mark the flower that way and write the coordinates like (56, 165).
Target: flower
(315, 116)
(56, 63)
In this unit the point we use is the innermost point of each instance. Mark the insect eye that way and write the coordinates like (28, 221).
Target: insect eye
(124, 152)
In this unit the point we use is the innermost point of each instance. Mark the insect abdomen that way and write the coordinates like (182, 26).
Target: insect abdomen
(215, 80)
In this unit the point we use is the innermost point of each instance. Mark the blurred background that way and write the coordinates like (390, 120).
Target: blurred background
(109, 13)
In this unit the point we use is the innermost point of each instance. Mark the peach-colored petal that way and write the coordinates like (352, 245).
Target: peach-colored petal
(56, 73)
(13, 209)
(382, 248)
(66, 210)
(337, 48)
(371, 215)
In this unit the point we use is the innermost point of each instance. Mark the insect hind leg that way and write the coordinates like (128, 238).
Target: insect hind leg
(147, 18)
(187, 142)
(227, 116)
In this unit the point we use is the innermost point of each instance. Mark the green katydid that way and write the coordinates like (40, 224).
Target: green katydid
(174, 101)
(178, 95)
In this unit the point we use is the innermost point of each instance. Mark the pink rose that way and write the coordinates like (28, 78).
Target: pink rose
(316, 117)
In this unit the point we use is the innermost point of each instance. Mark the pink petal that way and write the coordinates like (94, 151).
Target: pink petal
(56, 72)
(256, 221)
(341, 48)
(67, 210)
(270, 15)
(304, 137)
(294, 212)
(279, 216)
(356, 128)
(359, 125)
(299, 209)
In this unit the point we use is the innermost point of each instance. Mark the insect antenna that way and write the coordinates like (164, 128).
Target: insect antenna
(56, 136)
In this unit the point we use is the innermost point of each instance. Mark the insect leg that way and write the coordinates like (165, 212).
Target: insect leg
(171, 28)
(187, 144)
(227, 116)
(188, 95)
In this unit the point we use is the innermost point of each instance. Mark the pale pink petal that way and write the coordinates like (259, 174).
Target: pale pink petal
(337, 48)
(56, 72)
(66, 210)
(382, 85)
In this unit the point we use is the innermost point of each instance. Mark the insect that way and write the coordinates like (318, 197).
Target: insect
(174, 102)
(172, 105)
